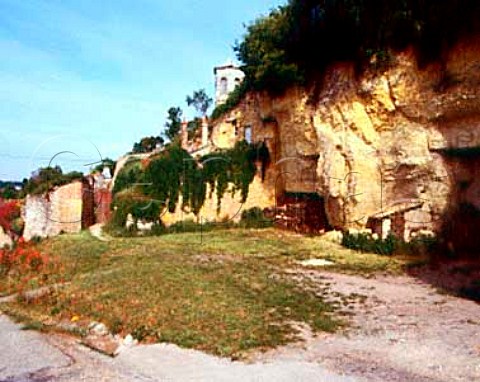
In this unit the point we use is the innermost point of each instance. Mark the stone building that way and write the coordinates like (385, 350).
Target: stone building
(227, 77)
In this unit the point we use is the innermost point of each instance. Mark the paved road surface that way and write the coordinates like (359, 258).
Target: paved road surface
(30, 356)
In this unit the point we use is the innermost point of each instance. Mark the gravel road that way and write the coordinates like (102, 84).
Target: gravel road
(402, 330)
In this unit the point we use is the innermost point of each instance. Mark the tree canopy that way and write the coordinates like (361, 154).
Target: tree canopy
(147, 145)
(10, 190)
(297, 41)
(174, 123)
(46, 178)
(200, 101)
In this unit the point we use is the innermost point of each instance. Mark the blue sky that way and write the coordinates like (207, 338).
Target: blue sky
(86, 79)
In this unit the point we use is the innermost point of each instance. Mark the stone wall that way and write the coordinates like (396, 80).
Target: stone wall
(103, 201)
(59, 211)
(5, 239)
(261, 194)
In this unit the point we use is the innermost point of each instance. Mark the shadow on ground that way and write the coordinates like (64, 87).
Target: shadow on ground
(459, 277)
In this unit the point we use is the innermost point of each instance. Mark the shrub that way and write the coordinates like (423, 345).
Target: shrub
(22, 258)
(141, 207)
(420, 245)
(158, 229)
(36, 239)
(255, 218)
(472, 291)
(192, 226)
(119, 231)
(10, 219)
(366, 242)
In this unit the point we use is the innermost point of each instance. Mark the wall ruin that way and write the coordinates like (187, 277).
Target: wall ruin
(66, 209)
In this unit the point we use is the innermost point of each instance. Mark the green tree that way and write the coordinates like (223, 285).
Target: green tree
(297, 42)
(46, 178)
(9, 192)
(147, 144)
(264, 53)
(174, 123)
(200, 101)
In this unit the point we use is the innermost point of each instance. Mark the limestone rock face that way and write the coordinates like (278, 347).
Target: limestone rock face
(372, 143)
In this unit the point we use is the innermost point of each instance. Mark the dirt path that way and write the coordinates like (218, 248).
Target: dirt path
(402, 330)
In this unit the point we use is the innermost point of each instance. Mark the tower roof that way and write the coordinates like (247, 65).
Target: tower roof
(229, 64)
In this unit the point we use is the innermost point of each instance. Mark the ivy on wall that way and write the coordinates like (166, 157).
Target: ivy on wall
(130, 175)
(232, 101)
(146, 192)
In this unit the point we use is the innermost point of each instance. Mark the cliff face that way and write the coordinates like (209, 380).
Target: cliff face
(399, 141)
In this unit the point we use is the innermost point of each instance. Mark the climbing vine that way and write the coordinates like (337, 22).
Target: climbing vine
(130, 175)
(174, 175)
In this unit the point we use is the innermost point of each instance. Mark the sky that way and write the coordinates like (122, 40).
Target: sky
(82, 80)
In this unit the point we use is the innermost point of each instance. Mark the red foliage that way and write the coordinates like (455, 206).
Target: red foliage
(145, 162)
(23, 258)
(9, 211)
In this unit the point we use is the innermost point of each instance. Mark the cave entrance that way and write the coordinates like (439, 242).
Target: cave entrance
(462, 223)
(302, 212)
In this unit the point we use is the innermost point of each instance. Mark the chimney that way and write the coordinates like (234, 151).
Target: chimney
(184, 135)
(204, 131)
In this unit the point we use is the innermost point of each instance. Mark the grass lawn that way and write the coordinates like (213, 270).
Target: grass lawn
(223, 292)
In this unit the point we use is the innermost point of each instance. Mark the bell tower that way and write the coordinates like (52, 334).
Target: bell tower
(227, 77)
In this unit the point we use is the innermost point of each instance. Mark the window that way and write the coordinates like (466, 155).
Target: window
(248, 134)
(235, 128)
(223, 86)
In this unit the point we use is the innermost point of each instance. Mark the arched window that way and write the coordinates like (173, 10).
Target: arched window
(223, 86)
(237, 81)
